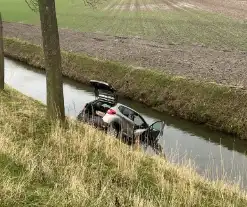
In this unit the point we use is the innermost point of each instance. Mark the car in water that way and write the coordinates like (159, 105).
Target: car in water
(117, 119)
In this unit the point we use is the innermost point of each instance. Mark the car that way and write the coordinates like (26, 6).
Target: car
(118, 119)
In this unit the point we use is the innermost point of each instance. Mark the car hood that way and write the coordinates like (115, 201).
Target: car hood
(104, 91)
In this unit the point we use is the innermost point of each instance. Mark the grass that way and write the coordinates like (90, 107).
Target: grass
(44, 165)
(179, 26)
(220, 107)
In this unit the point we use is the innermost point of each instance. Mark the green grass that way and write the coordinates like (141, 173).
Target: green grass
(44, 165)
(173, 26)
(220, 107)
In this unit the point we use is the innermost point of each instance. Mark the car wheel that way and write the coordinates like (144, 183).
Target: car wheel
(80, 117)
(112, 131)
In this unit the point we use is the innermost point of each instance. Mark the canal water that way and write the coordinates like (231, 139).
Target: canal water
(215, 155)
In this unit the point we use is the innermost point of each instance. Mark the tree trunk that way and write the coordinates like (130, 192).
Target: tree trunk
(51, 47)
(1, 55)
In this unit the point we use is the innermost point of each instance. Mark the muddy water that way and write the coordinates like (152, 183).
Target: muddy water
(215, 155)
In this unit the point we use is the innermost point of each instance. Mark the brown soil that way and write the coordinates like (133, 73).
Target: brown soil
(196, 62)
(233, 8)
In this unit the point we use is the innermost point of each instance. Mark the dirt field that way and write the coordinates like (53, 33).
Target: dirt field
(233, 8)
(196, 62)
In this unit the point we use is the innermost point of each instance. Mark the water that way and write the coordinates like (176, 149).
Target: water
(215, 155)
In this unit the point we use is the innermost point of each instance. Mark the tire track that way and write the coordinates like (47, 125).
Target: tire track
(113, 14)
(160, 23)
(139, 15)
(110, 6)
(119, 18)
(195, 14)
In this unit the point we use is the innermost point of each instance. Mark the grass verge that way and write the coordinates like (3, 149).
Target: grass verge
(220, 107)
(42, 165)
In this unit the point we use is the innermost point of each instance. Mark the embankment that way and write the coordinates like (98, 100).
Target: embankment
(220, 107)
(43, 165)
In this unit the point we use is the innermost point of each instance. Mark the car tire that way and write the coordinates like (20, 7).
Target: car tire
(80, 117)
(113, 131)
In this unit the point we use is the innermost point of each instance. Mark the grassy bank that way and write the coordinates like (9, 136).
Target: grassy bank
(42, 165)
(222, 108)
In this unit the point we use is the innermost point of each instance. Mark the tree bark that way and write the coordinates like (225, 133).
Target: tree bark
(52, 54)
(1, 55)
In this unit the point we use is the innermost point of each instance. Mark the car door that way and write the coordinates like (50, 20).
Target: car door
(127, 122)
(153, 133)
(139, 122)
